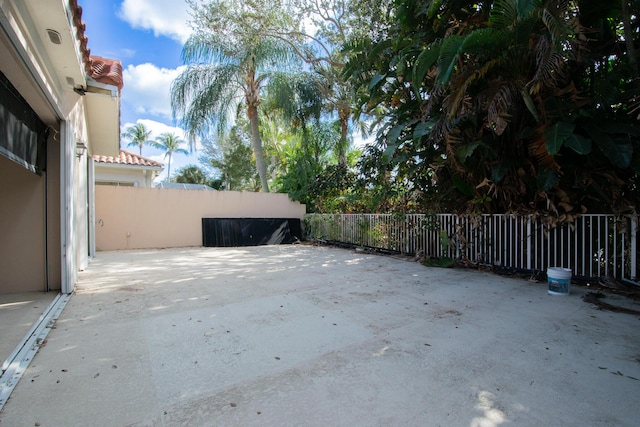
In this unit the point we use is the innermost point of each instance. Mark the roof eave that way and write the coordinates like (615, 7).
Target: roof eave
(125, 166)
(103, 117)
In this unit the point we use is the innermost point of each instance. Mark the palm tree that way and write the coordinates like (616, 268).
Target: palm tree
(227, 66)
(138, 136)
(169, 143)
(337, 93)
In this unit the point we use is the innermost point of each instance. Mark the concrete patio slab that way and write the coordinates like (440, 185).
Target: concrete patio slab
(18, 312)
(317, 336)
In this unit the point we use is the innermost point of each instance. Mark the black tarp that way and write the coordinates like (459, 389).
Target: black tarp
(23, 135)
(226, 232)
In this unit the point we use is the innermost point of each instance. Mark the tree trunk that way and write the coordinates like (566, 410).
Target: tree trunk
(342, 149)
(169, 169)
(257, 147)
(628, 37)
(343, 115)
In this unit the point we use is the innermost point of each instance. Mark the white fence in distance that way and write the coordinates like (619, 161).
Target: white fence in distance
(592, 246)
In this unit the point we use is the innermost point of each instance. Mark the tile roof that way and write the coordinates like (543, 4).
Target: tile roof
(107, 71)
(76, 11)
(102, 70)
(129, 159)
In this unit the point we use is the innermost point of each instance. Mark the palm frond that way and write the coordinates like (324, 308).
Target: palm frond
(485, 42)
(273, 55)
(555, 24)
(508, 14)
(449, 53)
(453, 139)
(201, 96)
(425, 61)
(201, 49)
(504, 14)
(538, 148)
(499, 106)
(459, 93)
(196, 79)
(458, 98)
(550, 66)
(297, 96)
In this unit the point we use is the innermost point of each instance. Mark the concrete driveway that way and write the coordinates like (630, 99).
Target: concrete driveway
(315, 336)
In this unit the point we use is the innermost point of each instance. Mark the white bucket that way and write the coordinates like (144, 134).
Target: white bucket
(559, 280)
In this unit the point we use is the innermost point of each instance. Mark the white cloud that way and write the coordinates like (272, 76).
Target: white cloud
(156, 128)
(146, 89)
(127, 53)
(164, 17)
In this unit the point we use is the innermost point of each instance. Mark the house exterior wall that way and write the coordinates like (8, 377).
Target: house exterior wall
(54, 236)
(82, 209)
(144, 218)
(44, 220)
(22, 227)
(30, 250)
(124, 175)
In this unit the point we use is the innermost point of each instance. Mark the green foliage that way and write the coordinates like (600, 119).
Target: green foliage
(444, 260)
(495, 106)
(192, 174)
(304, 164)
(229, 63)
(248, 53)
(506, 105)
(230, 161)
(330, 189)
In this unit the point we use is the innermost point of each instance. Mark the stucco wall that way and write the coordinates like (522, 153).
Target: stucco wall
(22, 225)
(53, 216)
(144, 218)
(44, 228)
(124, 174)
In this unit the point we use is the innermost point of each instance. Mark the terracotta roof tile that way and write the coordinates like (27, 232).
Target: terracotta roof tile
(127, 158)
(107, 71)
(76, 11)
(102, 70)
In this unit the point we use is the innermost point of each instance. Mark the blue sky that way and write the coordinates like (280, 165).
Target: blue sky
(147, 37)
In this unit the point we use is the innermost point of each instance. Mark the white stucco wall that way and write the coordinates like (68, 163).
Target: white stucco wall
(128, 175)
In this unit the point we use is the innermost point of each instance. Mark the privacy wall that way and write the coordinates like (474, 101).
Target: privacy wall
(146, 218)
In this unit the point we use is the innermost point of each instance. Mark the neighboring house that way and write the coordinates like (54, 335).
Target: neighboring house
(58, 107)
(182, 186)
(127, 169)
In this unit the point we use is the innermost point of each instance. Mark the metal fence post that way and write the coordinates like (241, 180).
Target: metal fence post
(633, 242)
(529, 237)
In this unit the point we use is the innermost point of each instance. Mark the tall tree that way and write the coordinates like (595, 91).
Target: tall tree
(227, 64)
(192, 174)
(336, 22)
(317, 32)
(506, 105)
(307, 158)
(170, 143)
(229, 158)
(138, 136)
